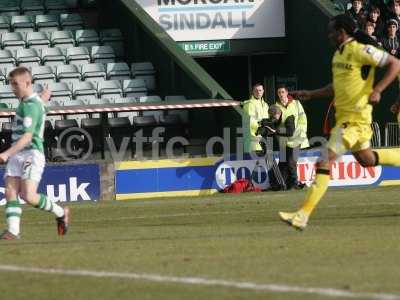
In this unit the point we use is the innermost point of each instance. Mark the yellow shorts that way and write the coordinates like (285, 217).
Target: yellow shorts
(350, 136)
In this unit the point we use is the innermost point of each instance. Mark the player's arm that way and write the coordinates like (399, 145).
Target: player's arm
(324, 92)
(24, 141)
(392, 65)
(371, 56)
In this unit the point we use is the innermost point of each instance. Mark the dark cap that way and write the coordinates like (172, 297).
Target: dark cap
(392, 22)
(274, 109)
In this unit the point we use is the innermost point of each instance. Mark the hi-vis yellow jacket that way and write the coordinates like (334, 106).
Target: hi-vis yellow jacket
(299, 138)
(254, 111)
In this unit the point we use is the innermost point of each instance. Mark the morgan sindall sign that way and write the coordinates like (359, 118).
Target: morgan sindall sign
(197, 20)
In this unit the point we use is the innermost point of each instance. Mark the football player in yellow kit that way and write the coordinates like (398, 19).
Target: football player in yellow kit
(354, 93)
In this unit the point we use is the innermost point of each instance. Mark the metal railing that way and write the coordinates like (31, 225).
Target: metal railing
(392, 134)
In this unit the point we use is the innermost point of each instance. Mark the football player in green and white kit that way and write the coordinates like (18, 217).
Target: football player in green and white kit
(25, 158)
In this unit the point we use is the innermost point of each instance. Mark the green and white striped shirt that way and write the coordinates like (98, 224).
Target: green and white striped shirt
(30, 117)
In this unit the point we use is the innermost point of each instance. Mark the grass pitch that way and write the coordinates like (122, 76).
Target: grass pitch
(352, 244)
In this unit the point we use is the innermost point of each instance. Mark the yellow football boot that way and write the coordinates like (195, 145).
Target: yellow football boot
(297, 219)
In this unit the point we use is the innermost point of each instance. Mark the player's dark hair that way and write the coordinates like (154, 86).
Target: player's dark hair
(256, 85)
(346, 23)
(19, 71)
(281, 86)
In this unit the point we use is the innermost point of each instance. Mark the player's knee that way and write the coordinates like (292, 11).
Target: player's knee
(322, 165)
(26, 196)
(366, 162)
(10, 194)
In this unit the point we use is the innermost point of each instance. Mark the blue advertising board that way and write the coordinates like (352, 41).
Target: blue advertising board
(199, 176)
(66, 183)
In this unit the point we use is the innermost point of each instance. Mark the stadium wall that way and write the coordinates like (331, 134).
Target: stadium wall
(128, 180)
(70, 182)
(205, 176)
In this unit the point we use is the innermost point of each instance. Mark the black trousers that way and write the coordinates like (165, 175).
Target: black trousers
(288, 166)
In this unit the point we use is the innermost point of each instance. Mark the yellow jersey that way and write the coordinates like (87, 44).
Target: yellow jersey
(353, 70)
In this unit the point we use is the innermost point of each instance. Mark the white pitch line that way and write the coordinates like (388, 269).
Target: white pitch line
(275, 288)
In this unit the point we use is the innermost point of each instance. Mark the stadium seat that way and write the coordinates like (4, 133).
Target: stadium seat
(48, 138)
(4, 119)
(7, 98)
(78, 55)
(128, 114)
(62, 39)
(6, 93)
(87, 38)
(145, 71)
(149, 99)
(12, 40)
(113, 37)
(84, 90)
(5, 136)
(120, 129)
(43, 74)
(7, 60)
(96, 101)
(93, 72)
(77, 117)
(71, 22)
(28, 57)
(110, 89)
(183, 114)
(37, 40)
(47, 23)
(102, 54)
(69, 74)
(56, 7)
(118, 71)
(3, 78)
(129, 100)
(56, 103)
(10, 8)
(32, 7)
(60, 90)
(157, 114)
(61, 152)
(94, 128)
(53, 56)
(134, 88)
(4, 24)
(22, 23)
(173, 128)
(144, 126)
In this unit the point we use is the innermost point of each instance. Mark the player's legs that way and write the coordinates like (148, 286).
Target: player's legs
(13, 208)
(388, 157)
(367, 157)
(320, 184)
(33, 167)
(336, 146)
(314, 194)
(30, 195)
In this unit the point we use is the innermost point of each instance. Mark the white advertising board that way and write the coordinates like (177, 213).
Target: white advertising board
(200, 20)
